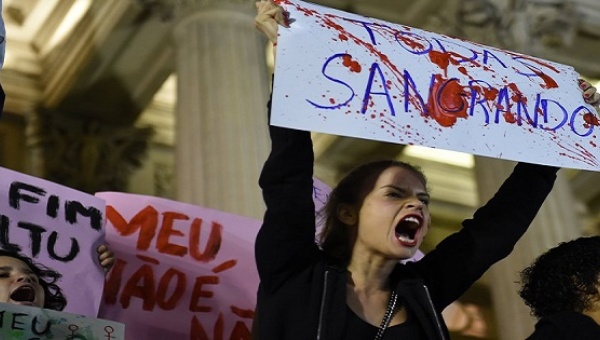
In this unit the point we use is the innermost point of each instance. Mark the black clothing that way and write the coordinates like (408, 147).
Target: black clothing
(566, 326)
(358, 329)
(303, 297)
(2, 98)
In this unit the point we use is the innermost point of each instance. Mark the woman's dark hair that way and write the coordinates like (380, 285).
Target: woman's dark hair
(337, 238)
(54, 298)
(565, 278)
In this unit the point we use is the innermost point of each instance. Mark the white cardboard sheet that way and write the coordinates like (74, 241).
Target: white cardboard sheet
(345, 74)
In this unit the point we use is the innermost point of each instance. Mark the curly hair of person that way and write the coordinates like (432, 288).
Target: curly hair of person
(565, 278)
(54, 297)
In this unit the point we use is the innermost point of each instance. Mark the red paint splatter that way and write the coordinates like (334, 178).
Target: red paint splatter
(343, 37)
(307, 12)
(413, 44)
(517, 94)
(490, 94)
(352, 65)
(549, 82)
(441, 59)
(447, 101)
(591, 119)
(578, 153)
(510, 118)
(444, 59)
(332, 101)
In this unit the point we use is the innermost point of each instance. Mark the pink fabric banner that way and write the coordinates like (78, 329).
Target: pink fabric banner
(182, 271)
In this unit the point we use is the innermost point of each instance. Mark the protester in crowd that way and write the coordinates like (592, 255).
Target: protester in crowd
(24, 282)
(352, 286)
(561, 288)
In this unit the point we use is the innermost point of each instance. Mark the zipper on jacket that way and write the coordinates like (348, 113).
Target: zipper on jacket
(435, 315)
(322, 308)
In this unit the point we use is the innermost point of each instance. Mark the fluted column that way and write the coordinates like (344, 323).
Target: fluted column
(556, 221)
(222, 92)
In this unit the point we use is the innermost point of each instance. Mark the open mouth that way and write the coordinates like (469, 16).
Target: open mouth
(408, 229)
(23, 294)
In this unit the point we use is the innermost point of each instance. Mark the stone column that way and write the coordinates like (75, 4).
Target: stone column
(557, 221)
(222, 91)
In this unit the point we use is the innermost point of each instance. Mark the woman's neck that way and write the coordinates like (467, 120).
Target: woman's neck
(370, 273)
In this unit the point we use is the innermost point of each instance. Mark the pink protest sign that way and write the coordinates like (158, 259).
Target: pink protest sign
(321, 193)
(57, 227)
(349, 75)
(182, 271)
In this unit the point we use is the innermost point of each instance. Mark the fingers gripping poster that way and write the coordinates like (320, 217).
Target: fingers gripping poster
(182, 271)
(349, 75)
(56, 227)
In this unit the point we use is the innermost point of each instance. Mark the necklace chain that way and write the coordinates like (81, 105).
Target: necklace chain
(387, 317)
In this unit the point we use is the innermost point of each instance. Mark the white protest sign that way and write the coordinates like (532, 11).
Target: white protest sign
(349, 75)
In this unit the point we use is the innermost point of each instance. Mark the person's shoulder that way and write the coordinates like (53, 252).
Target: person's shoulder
(566, 325)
